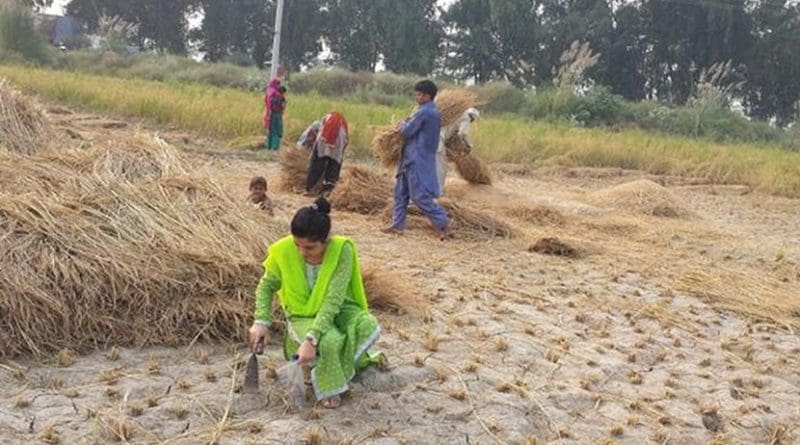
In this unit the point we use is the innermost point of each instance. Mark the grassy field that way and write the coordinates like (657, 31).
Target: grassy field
(235, 116)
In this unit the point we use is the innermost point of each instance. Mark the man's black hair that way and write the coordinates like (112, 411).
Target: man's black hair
(427, 87)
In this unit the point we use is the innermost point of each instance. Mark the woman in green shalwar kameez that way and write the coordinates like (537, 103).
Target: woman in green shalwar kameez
(319, 285)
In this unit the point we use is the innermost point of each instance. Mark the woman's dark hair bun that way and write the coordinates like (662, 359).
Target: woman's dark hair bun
(322, 205)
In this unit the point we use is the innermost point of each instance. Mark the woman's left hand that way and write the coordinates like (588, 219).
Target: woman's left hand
(307, 353)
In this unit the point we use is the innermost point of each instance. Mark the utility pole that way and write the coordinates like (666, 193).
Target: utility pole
(276, 42)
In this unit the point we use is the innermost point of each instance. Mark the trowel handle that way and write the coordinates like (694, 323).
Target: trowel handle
(260, 346)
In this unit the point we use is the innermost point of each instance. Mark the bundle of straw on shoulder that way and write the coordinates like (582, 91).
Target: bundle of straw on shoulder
(453, 103)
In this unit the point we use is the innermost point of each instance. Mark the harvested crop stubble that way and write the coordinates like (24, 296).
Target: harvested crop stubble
(643, 197)
(294, 168)
(361, 190)
(110, 261)
(23, 127)
(387, 145)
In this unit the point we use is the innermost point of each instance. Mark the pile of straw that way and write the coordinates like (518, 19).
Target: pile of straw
(106, 258)
(474, 224)
(294, 169)
(361, 190)
(453, 103)
(23, 127)
(473, 170)
(538, 215)
(470, 224)
(643, 197)
(387, 145)
(389, 292)
(554, 246)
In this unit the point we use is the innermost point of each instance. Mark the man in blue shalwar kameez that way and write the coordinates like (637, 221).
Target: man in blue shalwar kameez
(416, 174)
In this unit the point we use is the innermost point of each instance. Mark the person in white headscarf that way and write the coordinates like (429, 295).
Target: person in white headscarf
(461, 128)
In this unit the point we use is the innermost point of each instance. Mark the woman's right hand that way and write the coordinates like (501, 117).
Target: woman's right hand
(258, 332)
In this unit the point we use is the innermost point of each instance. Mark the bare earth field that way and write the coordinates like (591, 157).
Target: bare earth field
(673, 320)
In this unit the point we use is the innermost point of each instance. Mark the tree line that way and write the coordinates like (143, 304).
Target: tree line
(649, 49)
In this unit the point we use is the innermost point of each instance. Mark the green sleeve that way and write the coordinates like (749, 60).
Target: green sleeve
(269, 284)
(336, 293)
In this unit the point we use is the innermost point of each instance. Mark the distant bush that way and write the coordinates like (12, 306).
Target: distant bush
(596, 106)
(19, 37)
(600, 107)
(501, 97)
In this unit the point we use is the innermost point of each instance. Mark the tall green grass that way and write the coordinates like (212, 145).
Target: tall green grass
(234, 114)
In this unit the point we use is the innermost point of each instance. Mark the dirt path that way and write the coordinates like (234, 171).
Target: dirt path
(628, 344)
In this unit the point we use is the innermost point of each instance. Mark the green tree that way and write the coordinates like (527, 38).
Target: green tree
(162, 24)
(493, 39)
(624, 58)
(412, 44)
(19, 37)
(353, 29)
(235, 27)
(685, 37)
(470, 49)
(773, 68)
(245, 27)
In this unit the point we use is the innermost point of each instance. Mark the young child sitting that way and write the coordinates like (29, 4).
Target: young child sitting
(258, 194)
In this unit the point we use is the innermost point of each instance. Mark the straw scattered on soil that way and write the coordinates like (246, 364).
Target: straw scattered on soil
(361, 190)
(539, 215)
(643, 197)
(24, 129)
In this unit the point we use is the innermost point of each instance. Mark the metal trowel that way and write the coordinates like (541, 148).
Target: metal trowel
(251, 373)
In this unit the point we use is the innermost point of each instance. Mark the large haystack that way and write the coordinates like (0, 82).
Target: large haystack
(108, 258)
(361, 190)
(23, 127)
(643, 197)
(453, 103)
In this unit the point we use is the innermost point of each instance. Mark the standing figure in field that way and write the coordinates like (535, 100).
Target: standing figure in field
(416, 174)
(275, 105)
(460, 128)
(318, 282)
(327, 152)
